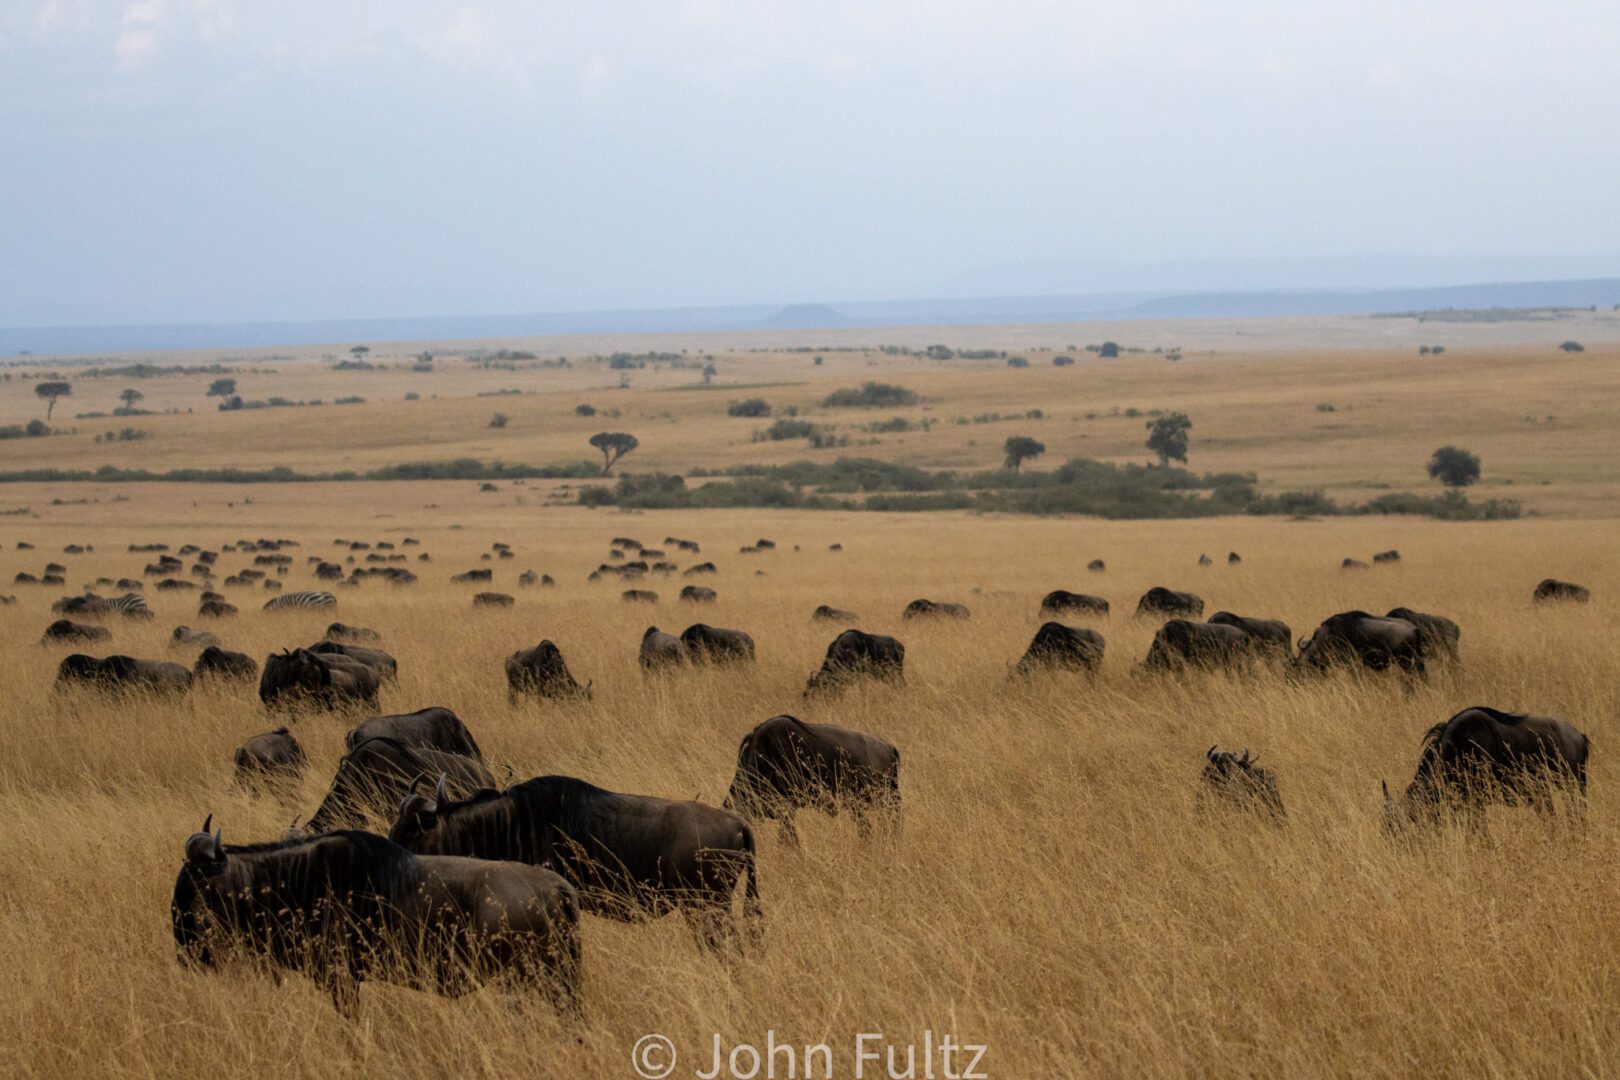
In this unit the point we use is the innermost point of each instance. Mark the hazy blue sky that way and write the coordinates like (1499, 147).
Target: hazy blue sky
(201, 160)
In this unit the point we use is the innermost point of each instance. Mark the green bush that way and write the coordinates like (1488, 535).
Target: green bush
(871, 395)
(754, 407)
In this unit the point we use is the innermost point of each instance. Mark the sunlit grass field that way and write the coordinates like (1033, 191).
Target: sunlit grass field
(1053, 894)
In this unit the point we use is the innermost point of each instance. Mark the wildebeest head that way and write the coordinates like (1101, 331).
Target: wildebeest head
(419, 814)
(1241, 780)
(205, 860)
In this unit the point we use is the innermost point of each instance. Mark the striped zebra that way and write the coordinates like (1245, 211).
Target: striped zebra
(131, 605)
(301, 600)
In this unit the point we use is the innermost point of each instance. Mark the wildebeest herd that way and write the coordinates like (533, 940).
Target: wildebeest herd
(482, 879)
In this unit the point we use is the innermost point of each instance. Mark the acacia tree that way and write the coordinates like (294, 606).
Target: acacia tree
(1167, 437)
(1454, 467)
(129, 397)
(614, 445)
(222, 388)
(1021, 448)
(359, 352)
(50, 391)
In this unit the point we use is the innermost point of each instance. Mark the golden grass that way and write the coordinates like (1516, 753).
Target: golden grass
(1053, 894)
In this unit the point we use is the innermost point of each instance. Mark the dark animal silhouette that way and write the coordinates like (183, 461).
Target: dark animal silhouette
(785, 765)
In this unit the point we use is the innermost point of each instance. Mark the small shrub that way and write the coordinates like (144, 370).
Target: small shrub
(584, 410)
(751, 407)
(871, 395)
(1017, 362)
(1062, 361)
(1572, 347)
(498, 420)
(597, 495)
(1108, 350)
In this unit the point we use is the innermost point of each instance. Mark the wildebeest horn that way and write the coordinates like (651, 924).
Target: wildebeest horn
(417, 779)
(439, 794)
(208, 824)
(1245, 755)
(1385, 785)
(1210, 753)
(414, 802)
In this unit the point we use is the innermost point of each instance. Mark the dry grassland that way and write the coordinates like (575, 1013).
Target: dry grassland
(1053, 894)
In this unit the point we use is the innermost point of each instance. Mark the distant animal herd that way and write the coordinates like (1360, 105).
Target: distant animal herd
(483, 880)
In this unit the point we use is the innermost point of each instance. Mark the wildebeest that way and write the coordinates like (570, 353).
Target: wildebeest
(542, 672)
(1355, 637)
(272, 755)
(435, 728)
(1233, 558)
(1205, 560)
(1096, 565)
(1181, 643)
(1058, 646)
(629, 855)
(473, 576)
(215, 661)
(332, 681)
(1061, 601)
(386, 667)
(697, 594)
(341, 632)
(1352, 564)
(699, 568)
(717, 645)
(1272, 637)
(1387, 556)
(376, 773)
(921, 609)
(120, 673)
(856, 654)
(640, 596)
(493, 599)
(186, 636)
(660, 650)
(1239, 782)
(1484, 755)
(1441, 636)
(1553, 589)
(785, 765)
(68, 630)
(216, 609)
(347, 906)
(829, 613)
(1167, 603)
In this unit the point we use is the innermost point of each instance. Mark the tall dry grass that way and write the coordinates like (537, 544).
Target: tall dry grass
(1053, 894)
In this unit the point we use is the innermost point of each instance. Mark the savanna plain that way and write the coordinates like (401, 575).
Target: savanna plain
(1053, 892)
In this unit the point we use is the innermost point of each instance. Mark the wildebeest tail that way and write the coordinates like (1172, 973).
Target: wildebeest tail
(752, 911)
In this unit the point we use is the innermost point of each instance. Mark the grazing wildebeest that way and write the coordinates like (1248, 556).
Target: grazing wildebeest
(785, 765)
(699, 568)
(386, 667)
(1167, 603)
(831, 614)
(1240, 783)
(1273, 637)
(921, 609)
(1482, 755)
(493, 599)
(1058, 646)
(1387, 556)
(1061, 601)
(1096, 565)
(541, 672)
(697, 594)
(660, 650)
(1553, 589)
(640, 596)
(1355, 637)
(296, 676)
(1205, 560)
(1233, 558)
(1441, 636)
(68, 630)
(185, 635)
(629, 855)
(216, 609)
(341, 632)
(348, 906)
(274, 755)
(122, 673)
(378, 772)
(473, 576)
(855, 654)
(1181, 643)
(707, 644)
(222, 663)
(434, 728)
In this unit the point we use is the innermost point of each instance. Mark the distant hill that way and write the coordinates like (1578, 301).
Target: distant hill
(805, 317)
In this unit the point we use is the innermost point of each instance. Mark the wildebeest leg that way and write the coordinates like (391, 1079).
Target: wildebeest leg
(345, 990)
(710, 923)
(790, 834)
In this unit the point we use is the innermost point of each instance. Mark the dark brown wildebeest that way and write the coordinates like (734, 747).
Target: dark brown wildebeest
(639, 596)
(378, 772)
(1240, 783)
(1205, 560)
(697, 594)
(785, 765)
(1441, 636)
(1061, 601)
(1181, 643)
(216, 609)
(1066, 647)
(1352, 564)
(341, 632)
(185, 636)
(215, 662)
(661, 650)
(700, 568)
(829, 613)
(1353, 638)
(629, 856)
(528, 579)
(1233, 558)
(542, 672)
(493, 599)
(473, 576)
(717, 645)
(434, 728)
(274, 755)
(68, 630)
(1482, 755)
(1273, 637)
(296, 676)
(386, 667)
(855, 654)
(1096, 566)
(929, 609)
(122, 673)
(1387, 556)
(1553, 589)
(835, 547)
(348, 906)
(1167, 603)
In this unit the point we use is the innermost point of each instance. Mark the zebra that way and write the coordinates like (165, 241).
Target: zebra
(302, 600)
(131, 605)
